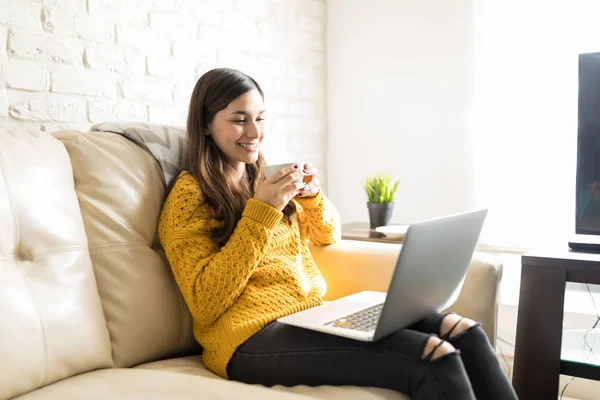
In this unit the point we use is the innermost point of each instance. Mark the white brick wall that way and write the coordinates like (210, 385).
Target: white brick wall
(71, 63)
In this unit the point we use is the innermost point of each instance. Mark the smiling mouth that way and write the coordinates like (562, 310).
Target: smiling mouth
(247, 146)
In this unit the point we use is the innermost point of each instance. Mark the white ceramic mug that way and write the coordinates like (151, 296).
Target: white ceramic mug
(271, 169)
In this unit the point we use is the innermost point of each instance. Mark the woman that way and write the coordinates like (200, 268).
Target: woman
(237, 244)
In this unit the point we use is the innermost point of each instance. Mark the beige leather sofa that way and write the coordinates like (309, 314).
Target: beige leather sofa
(88, 307)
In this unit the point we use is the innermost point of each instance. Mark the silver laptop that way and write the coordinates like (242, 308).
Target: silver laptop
(428, 277)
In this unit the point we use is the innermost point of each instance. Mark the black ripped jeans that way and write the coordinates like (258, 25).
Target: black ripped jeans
(285, 355)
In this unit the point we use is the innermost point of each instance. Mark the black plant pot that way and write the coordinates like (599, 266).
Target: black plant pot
(380, 213)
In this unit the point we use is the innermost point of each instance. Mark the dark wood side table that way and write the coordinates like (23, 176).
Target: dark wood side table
(538, 360)
(361, 231)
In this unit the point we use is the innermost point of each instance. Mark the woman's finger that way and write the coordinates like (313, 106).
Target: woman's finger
(309, 170)
(311, 188)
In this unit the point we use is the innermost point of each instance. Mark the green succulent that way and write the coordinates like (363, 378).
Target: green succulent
(381, 188)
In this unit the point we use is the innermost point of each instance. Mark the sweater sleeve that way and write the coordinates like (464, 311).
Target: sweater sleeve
(319, 220)
(211, 278)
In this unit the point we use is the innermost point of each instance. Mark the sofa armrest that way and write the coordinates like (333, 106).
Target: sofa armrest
(352, 266)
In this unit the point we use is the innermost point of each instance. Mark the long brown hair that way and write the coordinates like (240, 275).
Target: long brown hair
(224, 194)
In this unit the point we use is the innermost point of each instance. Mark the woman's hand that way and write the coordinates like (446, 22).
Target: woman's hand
(312, 182)
(280, 188)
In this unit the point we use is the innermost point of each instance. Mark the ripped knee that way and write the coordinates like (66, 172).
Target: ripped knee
(436, 348)
(453, 325)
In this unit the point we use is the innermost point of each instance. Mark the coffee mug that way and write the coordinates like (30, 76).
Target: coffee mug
(271, 169)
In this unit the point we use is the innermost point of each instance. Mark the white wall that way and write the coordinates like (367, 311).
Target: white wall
(71, 63)
(400, 93)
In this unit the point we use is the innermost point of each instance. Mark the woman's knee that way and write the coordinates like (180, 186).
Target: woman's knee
(436, 348)
(453, 325)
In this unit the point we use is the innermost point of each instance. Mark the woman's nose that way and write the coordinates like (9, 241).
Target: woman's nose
(253, 131)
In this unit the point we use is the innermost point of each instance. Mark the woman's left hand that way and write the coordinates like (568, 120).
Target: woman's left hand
(312, 182)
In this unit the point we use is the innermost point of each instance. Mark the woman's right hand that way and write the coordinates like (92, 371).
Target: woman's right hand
(279, 188)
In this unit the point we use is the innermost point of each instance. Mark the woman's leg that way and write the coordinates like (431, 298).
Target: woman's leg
(479, 358)
(417, 364)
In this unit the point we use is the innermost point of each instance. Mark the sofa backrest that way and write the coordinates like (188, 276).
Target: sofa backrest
(121, 192)
(51, 319)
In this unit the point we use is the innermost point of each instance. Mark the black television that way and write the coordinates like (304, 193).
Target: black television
(587, 196)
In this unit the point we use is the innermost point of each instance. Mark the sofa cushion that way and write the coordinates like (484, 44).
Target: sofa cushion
(51, 320)
(194, 366)
(166, 143)
(121, 191)
(135, 384)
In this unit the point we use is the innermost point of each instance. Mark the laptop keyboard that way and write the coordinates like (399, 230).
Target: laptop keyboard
(364, 320)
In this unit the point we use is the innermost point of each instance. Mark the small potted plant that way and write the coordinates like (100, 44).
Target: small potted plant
(381, 190)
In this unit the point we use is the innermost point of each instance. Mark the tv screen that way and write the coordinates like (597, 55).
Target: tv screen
(588, 146)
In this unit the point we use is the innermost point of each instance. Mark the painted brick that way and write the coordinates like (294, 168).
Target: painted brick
(104, 110)
(310, 24)
(182, 91)
(83, 81)
(147, 88)
(286, 87)
(313, 8)
(174, 26)
(287, 125)
(170, 67)
(203, 11)
(297, 39)
(3, 40)
(256, 8)
(23, 14)
(313, 58)
(303, 108)
(73, 5)
(128, 13)
(3, 104)
(171, 115)
(312, 91)
(283, 13)
(316, 126)
(145, 40)
(287, 52)
(272, 31)
(194, 51)
(238, 60)
(26, 75)
(46, 107)
(274, 66)
(242, 24)
(43, 46)
(301, 72)
(159, 5)
(317, 42)
(113, 58)
(58, 21)
(4, 12)
(248, 44)
(96, 29)
(276, 105)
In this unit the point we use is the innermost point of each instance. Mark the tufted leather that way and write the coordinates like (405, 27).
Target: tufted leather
(52, 325)
(120, 194)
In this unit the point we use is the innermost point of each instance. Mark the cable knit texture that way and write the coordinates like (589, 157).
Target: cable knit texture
(263, 272)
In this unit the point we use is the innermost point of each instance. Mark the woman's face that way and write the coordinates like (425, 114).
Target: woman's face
(238, 129)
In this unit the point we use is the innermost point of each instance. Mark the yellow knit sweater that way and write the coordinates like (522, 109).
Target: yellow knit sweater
(263, 272)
